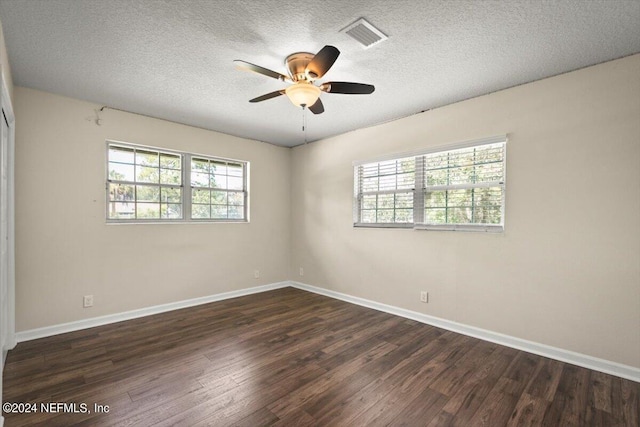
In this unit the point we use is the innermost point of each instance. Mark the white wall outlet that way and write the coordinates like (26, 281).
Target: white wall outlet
(424, 296)
(87, 301)
(301, 271)
(256, 274)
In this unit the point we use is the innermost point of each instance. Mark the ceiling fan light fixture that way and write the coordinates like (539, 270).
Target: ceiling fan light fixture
(303, 94)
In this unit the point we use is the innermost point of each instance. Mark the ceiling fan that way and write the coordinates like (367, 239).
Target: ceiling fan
(304, 69)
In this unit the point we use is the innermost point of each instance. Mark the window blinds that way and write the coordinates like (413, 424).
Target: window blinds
(457, 188)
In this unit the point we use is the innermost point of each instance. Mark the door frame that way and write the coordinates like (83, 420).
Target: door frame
(7, 107)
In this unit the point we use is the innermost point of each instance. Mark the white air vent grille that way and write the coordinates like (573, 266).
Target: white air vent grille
(364, 33)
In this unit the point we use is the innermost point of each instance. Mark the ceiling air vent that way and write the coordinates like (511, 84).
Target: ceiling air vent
(364, 33)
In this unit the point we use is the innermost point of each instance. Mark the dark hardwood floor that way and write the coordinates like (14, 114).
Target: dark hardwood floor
(293, 358)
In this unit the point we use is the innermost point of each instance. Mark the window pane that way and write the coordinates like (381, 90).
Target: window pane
(488, 215)
(487, 205)
(200, 211)
(404, 215)
(236, 212)
(370, 184)
(388, 182)
(368, 216)
(219, 197)
(198, 165)
(147, 158)
(404, 201)
(489, 172)
(218, 168)
(465, 206)
(459, 216)
(147, 174)
(435, 199)
(170, 161)
(369, 170)
(369, 201)
(235, 183)
(171, 195)
(437, 177)
(219, 211)
(236, 199)
(199, 179)
(148, 210)
(121, 172)
(121, 192)
(121, 154)
(219, 181)
(435, 216)
(171, 211)
(170, 176)
(407, 165)
(406, 180)
(235, 170)
(201, 196)
(385, 215)
(122, 210)
(385, 201)
(147, 193)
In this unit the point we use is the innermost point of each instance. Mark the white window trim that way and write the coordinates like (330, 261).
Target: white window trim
(418, 191)
(186, 188)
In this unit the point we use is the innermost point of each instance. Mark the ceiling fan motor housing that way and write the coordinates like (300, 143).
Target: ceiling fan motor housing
(297, 66)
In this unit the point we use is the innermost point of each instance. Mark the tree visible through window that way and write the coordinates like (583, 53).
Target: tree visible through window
(458, 188)
(217, 189)
(146, 184)
(464, 186)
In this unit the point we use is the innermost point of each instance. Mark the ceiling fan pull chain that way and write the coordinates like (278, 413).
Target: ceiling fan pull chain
(304, 123)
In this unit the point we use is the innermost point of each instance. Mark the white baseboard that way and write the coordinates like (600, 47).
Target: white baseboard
(62, 328)
(601, 365)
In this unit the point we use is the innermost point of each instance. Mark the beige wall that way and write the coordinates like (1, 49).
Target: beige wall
(65, 250)
(566, 271)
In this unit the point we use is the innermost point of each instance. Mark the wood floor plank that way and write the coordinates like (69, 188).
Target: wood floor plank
(529, 411)
(293, 358)
(468, 398)
(497, 408)
(298, 398)
(544, 382)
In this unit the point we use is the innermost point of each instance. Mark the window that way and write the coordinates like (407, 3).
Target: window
(147, 184)
(217, 189)
(459, 188)
(386, 191)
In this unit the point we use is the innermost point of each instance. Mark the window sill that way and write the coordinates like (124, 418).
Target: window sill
(151, 222)
(485, 228)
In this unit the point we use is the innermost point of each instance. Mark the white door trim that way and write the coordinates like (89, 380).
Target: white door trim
(9, 152)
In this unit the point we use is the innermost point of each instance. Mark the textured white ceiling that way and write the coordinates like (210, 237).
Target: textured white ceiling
(173, 59)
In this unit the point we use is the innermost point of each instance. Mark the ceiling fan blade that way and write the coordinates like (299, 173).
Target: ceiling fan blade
(317, 107)
(247, 66)
(323, 60)
(268, 96)
(347, 88)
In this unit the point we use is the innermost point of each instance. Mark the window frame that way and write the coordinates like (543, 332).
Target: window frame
(420, 188)
(186, 200)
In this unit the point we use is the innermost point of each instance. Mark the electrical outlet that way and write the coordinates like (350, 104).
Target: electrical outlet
(424, 296)
(301, 271)
(256, 274)
(87, 301)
